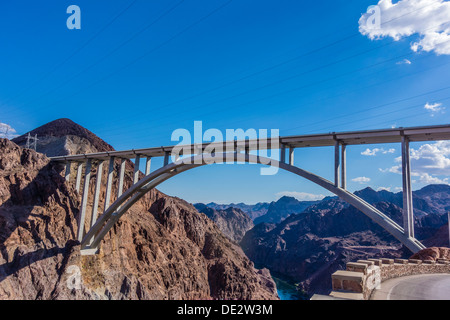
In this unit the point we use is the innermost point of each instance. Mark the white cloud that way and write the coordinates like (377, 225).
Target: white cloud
(361, 180)
(393, 169)
(369, 152)
(391, 150)
(6, 131)
(374, 151)
(428, 19)
(434, 108)
(431, 158)
(390, 189)
(301, 196)
(428, 179)
(404, 61)
(427, 162)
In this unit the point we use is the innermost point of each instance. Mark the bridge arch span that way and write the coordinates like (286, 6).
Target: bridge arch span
(107, 220)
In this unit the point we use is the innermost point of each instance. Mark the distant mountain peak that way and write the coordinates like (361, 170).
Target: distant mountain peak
(287, 198)
(366, 190)
(64, 136)
(57, 128)
(282, 208)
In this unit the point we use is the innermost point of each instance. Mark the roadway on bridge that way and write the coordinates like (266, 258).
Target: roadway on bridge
(418, 287)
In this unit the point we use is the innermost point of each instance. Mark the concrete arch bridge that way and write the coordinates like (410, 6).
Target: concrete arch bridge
(193, 156)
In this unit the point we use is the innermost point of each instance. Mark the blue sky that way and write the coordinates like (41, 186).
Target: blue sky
(137, 70)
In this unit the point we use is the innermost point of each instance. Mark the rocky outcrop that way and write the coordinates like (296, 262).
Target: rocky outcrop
(161, 249)
(433, 253)
(234, 223)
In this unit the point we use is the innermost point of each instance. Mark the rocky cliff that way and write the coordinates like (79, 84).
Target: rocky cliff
(233, 222)
(161, 249)
(432, 253)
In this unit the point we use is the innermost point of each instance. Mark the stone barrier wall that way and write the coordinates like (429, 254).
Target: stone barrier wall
(362, 277)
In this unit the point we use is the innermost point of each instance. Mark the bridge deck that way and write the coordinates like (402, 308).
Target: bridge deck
(415, 134)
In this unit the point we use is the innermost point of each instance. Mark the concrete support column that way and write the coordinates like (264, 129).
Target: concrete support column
(98, 185)
(343, 166)
(408, 216)
(291, 156)
(79, 173)
(166, 158)
(121, 176)
(283, 153)
(109, 183)
(448, 221)
(148, 164)
(337, 163)
(67, 174)
(137, 162)
(84, 200)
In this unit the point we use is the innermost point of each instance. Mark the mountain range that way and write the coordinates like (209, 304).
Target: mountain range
(305, 242)
(273, 212)
(306, 248)
(252, 210)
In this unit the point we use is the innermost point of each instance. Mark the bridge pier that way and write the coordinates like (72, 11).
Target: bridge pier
(79, 173)
(291, 156)
(109, 182)
(123, 163)
(84, 199)
(67, 174)
(148, 164)
(340, 164)
(337, 164)
(343, 166)
(408, 215)
(283, 153)
(98, 184)
(137, 161)
(166, 158)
